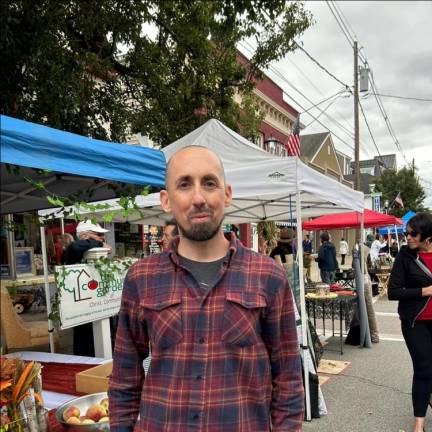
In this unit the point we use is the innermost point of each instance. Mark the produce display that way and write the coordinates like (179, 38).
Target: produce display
(95, 413)
(89, 412)
(21, 402)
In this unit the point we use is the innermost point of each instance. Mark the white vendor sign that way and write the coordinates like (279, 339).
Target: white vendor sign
(88, 294)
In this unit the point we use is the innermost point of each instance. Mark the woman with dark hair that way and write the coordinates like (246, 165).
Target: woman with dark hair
(411, 284)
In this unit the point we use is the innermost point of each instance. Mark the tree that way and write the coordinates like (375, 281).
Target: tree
(161, 68)
(406, 182)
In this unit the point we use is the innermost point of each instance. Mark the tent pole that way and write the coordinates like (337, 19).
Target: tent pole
(11, 247)
(362, 241)
(397, 237)
(304, 345)
(47, 290)
(62, 225)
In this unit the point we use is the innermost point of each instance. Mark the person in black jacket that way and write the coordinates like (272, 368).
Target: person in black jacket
(411, 284)
(90, 236)
(327, 262)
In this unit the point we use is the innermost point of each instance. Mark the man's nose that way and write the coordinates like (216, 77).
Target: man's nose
(198, 198)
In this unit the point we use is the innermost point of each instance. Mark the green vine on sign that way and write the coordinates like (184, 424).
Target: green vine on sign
(59, 278)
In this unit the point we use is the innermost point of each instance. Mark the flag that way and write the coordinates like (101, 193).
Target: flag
(398, 200)
(293, 144)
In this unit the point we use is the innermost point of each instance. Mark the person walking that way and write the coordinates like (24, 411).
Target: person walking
(327, 262)
(411, 284)
(218, 318)
(343, 250)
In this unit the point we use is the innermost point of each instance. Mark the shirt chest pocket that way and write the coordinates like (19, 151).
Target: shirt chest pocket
(241, 321)
(163, 315)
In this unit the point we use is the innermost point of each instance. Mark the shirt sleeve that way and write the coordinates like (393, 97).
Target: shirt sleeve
(280, 337)
(131, 348)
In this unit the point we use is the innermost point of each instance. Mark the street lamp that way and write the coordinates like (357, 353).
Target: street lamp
(273, 146)
(386, 206)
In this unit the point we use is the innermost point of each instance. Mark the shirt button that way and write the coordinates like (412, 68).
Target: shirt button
(195, 416)
(199, 377)
(201, 340)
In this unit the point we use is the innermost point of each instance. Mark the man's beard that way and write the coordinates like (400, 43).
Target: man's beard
(201, 232)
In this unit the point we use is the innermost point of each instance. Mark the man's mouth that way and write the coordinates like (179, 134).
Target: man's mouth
(200, 217)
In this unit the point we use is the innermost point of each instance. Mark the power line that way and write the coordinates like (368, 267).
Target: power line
(324, 100)
(341, 19)
(324, 110)
(320, 92)
(370, 132)
(322, 67)
(340, 23)
(283, 78)
(403, 97)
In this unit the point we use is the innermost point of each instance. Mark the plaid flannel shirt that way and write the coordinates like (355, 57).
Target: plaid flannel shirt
(228, 361)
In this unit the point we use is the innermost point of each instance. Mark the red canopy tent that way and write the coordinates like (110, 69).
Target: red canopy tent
(351, 220)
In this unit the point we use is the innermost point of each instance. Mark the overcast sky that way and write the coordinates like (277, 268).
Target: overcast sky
(395, 39)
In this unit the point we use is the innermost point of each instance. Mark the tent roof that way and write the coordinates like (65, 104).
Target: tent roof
(94, 168)
(405, 218)
(264, 186)
(232, 148)
(351, 220)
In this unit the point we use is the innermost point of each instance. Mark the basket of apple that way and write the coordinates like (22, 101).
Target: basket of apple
(88, 412)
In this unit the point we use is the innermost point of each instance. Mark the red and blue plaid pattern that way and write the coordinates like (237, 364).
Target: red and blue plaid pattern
(227, 362)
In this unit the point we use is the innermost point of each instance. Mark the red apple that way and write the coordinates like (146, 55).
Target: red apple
(71, 411)
(95, 412)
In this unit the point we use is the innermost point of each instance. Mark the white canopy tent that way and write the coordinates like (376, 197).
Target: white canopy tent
(265, 187)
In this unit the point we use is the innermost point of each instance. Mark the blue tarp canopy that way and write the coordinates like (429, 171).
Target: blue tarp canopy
(58, 163)
(401, 229)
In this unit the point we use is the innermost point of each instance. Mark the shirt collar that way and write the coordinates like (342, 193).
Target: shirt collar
(235, 250)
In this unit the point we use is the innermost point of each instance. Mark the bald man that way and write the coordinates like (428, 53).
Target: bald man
(218, 317)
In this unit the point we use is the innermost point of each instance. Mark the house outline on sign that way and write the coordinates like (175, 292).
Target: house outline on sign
(79, 287)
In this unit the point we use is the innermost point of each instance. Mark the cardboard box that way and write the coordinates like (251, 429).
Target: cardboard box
(94, 380)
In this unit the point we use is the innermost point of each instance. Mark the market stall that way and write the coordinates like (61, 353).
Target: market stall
(39, 162)
(265, 187)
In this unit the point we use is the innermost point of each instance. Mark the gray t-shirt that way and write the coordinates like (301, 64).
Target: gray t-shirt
(205, 273)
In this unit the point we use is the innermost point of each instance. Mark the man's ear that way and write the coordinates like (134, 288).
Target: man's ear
(228, 195)
(164, 200)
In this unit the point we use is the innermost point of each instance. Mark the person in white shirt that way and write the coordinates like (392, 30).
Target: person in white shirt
(376, 246)
(343, 250)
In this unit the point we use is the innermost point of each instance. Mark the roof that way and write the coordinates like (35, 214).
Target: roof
(365, 181)
(310, 143)
(389, 160)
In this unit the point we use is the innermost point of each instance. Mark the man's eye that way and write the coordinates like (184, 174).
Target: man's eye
(210, 184)
(183, 185)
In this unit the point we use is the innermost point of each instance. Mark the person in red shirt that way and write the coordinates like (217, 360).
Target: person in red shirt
(218, 318)
(411, 284)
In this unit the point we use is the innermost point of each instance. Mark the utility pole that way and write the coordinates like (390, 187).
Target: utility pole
(356, 122)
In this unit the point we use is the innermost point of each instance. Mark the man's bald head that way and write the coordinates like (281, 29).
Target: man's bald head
(192, 149)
